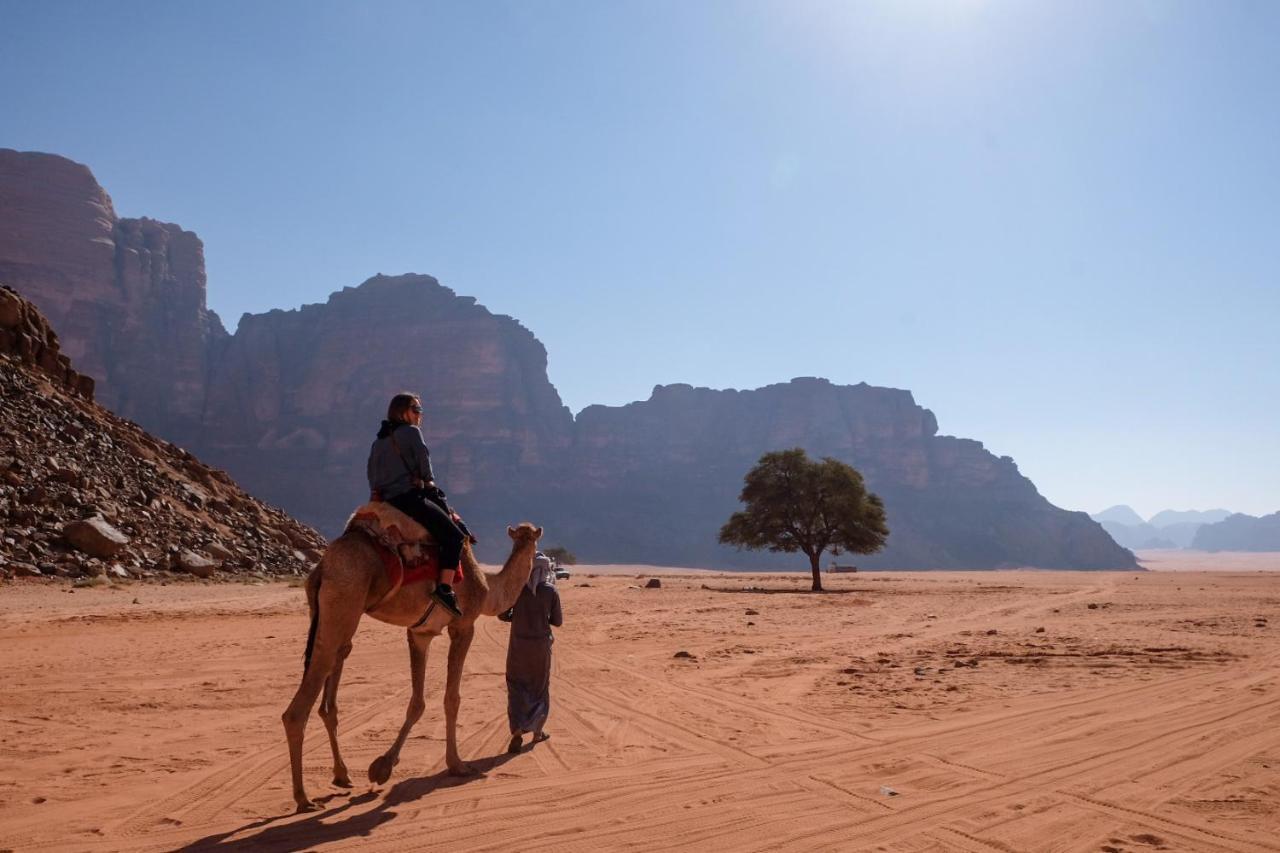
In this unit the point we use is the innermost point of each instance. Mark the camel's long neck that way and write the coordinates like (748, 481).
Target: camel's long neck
(504, 587)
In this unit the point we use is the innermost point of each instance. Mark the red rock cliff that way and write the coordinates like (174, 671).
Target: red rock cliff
(675, 464)
(126, 295)
(296, 398)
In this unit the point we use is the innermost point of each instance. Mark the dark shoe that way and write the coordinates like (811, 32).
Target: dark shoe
(507, 615)
(514, 747)
(444, 594)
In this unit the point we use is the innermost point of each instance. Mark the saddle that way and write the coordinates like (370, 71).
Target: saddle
(408, 553)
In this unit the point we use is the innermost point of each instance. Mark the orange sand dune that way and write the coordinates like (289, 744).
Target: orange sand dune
(1011, 711)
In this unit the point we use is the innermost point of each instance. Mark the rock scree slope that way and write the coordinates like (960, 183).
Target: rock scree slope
(84, 492)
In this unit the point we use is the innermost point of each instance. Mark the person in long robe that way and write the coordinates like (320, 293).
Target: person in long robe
(535, 613)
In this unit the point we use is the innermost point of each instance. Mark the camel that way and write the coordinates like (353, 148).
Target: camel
(349, 581)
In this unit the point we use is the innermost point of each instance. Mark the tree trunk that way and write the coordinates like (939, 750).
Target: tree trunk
(817, 572)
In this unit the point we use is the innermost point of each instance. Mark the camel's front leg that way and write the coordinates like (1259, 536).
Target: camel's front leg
(380, 769)
(329, 713)
(459, 644)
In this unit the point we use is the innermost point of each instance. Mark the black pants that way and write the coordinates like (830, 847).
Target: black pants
(438, 523)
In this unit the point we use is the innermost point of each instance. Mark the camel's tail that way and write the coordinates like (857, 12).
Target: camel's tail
(313, 604)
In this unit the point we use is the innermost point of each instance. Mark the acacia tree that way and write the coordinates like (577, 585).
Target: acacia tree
(561, 555)
(795, 504)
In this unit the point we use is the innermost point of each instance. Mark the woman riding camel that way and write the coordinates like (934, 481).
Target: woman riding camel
(400, 473)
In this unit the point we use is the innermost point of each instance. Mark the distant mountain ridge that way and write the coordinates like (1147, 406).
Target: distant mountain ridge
(289, 405)
(1170, 517)
(1166, 529)
(1240, 532)
(1119, 514)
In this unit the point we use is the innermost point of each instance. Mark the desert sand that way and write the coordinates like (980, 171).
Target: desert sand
(1008, 711)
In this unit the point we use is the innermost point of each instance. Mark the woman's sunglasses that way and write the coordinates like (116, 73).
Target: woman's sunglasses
(417, 409)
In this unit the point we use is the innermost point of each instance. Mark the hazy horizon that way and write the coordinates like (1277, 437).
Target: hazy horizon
(1057, 224)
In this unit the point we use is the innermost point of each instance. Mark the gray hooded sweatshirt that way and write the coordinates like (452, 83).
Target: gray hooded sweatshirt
(391, 474)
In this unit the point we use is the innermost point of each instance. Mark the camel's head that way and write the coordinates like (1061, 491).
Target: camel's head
(524, 532)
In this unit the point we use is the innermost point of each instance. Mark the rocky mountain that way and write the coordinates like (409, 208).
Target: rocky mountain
(1240, 532)
(653, 481)
(1143, 536)
(85, 492)
(290, 403)
(297, 396)
(1167, 529)
(1169, 517)
(126, 295)
(1118, 514)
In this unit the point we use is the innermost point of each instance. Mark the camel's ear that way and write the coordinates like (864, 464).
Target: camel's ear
(511, 531)
(537, 533)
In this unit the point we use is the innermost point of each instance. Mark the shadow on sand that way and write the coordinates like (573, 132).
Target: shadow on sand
(764, 590)
(320, 827)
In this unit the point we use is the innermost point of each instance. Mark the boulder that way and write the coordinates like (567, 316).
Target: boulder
(10, 309)
(219, 551)
(298, 539)
(95, 537)
(195, 564)
(24, 570)
(653, 583)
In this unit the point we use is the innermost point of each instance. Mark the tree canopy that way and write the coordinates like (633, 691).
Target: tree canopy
(794, 504)
(561, 555)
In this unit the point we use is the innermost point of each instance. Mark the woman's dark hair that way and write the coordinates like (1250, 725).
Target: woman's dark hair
(398, 408)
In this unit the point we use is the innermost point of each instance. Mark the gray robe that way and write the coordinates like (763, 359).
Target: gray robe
(529, 657)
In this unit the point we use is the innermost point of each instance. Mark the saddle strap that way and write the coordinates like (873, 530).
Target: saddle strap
(425, 616)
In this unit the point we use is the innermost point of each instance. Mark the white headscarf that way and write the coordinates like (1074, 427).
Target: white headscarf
(541, 571)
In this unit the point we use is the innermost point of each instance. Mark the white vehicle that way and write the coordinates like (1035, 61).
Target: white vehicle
(561, 573)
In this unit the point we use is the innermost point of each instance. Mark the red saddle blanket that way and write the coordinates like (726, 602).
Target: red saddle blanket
(406, 549)
(426, 569)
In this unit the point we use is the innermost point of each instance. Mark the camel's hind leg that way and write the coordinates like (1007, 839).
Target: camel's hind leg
(380, 769)
(335, 627)
(329, 713)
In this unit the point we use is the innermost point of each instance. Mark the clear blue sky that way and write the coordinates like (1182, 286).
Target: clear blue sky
(1058, 223)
